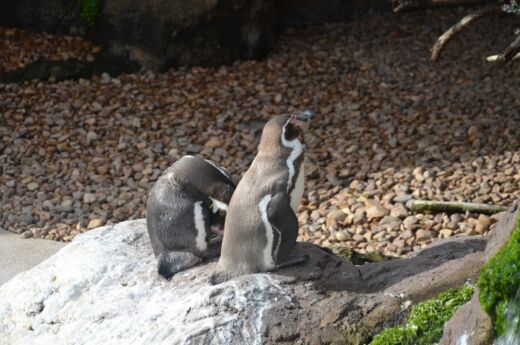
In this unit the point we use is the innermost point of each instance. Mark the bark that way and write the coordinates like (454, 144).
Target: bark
(454, 207)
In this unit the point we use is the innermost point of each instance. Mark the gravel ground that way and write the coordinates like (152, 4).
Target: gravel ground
(20, 47)
(391, 126)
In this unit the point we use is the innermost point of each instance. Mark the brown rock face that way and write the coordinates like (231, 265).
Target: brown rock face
(471, 322)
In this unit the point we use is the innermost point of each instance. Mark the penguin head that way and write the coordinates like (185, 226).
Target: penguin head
(285, 129)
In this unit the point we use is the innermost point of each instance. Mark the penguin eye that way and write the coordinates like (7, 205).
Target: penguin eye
(291, 132)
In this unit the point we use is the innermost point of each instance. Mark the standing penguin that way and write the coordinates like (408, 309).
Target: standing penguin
(185, 213)
(261, 225)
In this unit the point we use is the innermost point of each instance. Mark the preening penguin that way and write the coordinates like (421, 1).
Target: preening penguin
(185, 213)
(261, 225)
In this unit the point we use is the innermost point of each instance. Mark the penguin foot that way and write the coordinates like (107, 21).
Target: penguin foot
(172, 262)
(218, 278)
(293, 260)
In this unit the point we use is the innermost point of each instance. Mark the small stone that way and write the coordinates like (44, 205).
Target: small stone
(399, 211)
(406, 234)
(32, 186)
(423, 235)
(402, 198)
(456, 218)
(214, 142)
(95, 223)
(334, 217)
(193, 148)
(26, 218)
(89, 198)
(445, 233)
(359, 217)
(451, 225)
(390, 223)
(410, 222)
(342, 236)
(484, 220)
(91, 136)
(375, 210)
(27, 234)
(359, 238)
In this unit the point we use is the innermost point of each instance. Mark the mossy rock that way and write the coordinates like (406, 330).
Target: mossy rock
(356, 258)
(499, 281)
(426, 321)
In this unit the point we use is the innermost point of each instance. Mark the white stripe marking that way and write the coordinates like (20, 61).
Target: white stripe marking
(297, 192)
(218, 205)
(269, 261)
(200, 240)
(297, 149)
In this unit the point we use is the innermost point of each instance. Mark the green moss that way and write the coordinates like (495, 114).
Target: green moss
(500, 279)
(90, 10)
(395, 336)
(426, 321)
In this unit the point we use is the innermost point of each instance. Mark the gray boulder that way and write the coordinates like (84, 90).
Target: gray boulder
(103, 288)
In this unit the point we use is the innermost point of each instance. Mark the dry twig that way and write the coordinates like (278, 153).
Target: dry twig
(454, 207)
(461, 25)
(415, 4)
(512, 52)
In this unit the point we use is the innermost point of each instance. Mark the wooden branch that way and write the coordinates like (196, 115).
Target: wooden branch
(512, 52)
(461, 25)
(401, 5)
(495, 58)
(454, 207)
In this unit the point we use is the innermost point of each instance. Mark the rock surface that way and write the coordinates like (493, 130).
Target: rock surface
(470, 323)
(18, 255)
(159, 34)
(103, 286)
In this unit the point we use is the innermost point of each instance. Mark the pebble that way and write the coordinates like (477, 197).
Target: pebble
(423, 235)
(403, 198)
(32, 186)
(410, 222)
(445, 233)
(399, 211)
(374, 210)
(95, 223)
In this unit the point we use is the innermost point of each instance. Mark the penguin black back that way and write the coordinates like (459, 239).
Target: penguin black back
(183, 212)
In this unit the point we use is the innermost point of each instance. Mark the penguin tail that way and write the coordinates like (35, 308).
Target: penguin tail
(169, 263)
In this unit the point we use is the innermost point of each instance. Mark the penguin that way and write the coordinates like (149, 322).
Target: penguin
(261, 226)
(185, 213)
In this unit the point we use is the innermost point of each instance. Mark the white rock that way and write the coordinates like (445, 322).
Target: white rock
(103, 289)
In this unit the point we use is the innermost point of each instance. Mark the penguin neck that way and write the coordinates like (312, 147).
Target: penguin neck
(296, 149)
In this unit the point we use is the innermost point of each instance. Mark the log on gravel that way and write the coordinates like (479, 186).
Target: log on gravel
(454, 207)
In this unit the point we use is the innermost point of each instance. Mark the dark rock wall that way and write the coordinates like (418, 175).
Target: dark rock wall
(163, 33)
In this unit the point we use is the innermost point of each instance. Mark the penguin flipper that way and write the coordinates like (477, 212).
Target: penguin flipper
(284, 221)
(169, 263)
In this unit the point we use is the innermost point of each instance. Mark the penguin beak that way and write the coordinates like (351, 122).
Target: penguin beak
(302, 119)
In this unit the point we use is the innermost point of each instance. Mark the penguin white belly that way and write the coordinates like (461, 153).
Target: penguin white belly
(297, 192)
